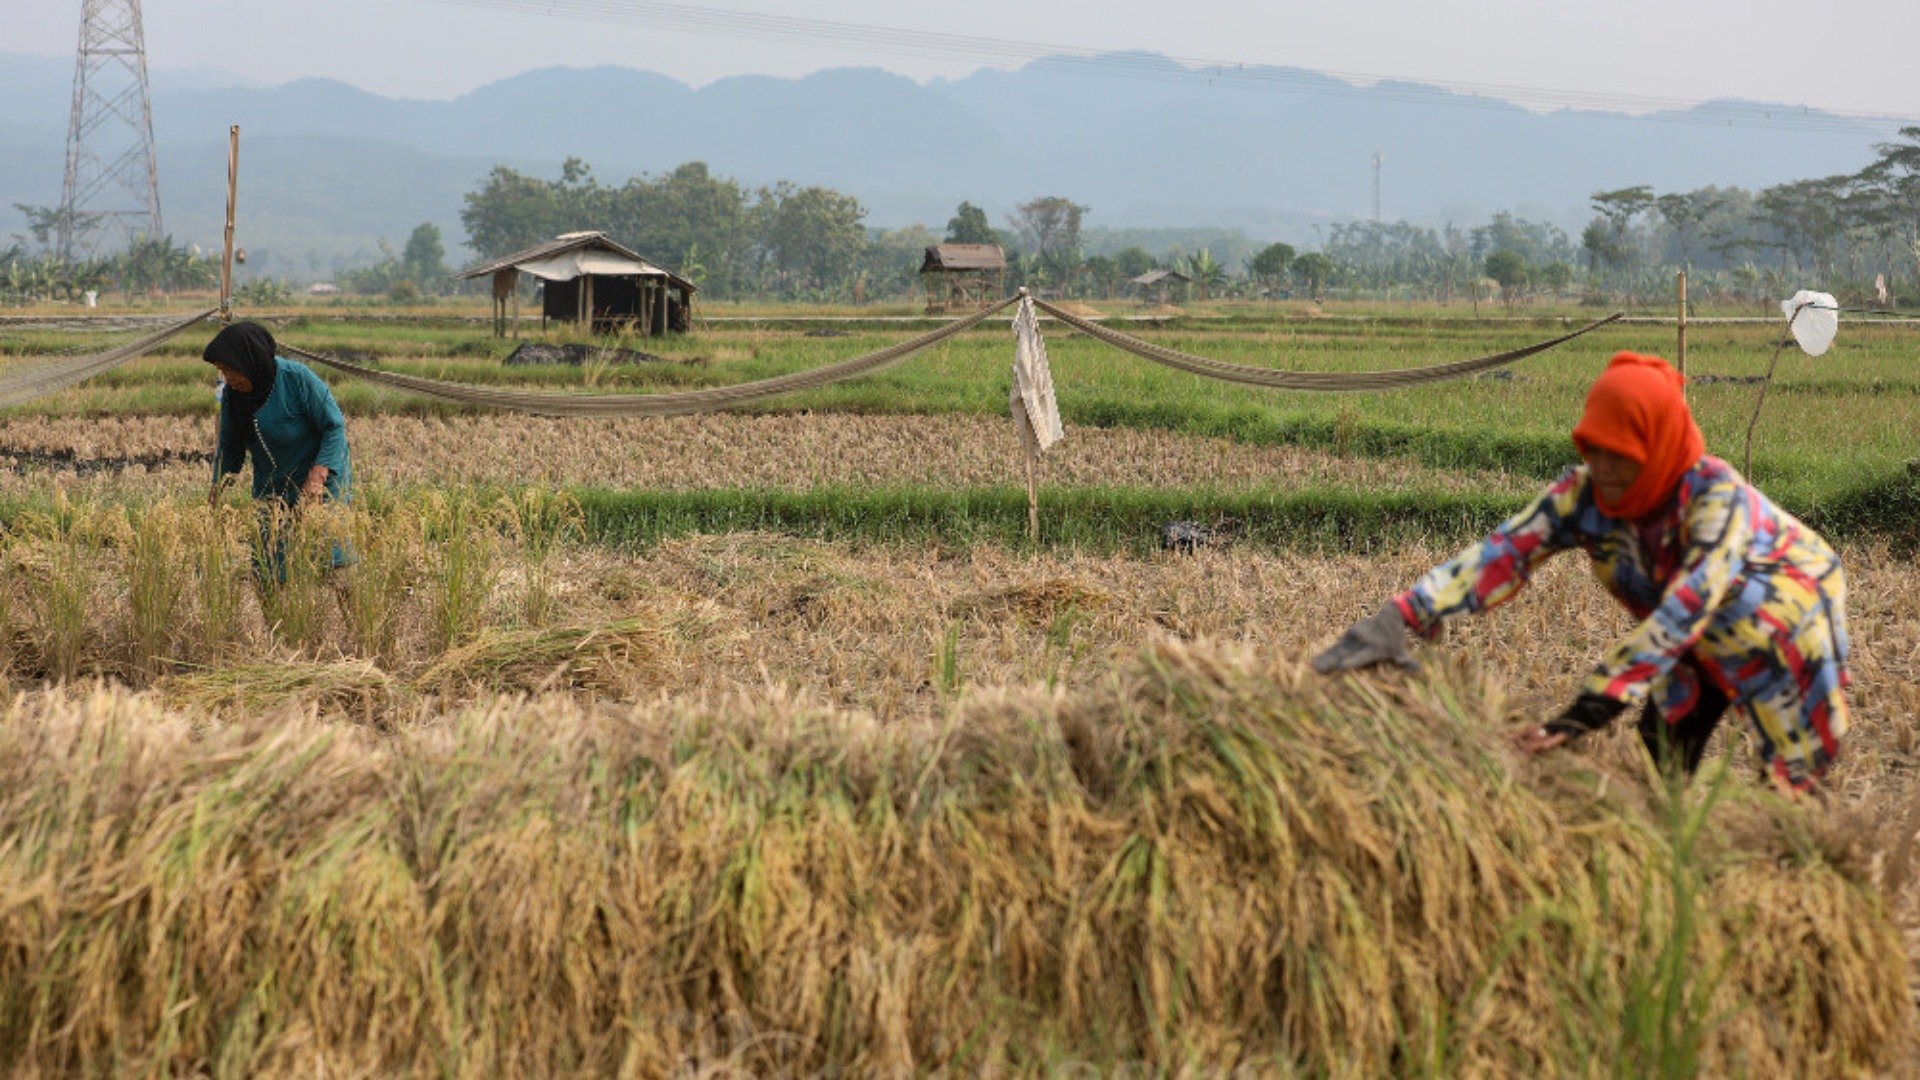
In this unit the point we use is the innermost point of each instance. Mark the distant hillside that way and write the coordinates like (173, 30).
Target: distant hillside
(328, 169)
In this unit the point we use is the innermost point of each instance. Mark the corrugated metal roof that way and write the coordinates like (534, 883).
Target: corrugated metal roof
(564, 243)
(964, 257)
(1155, 277)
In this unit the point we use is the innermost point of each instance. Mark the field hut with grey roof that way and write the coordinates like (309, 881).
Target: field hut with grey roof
(961, 277)
(1158, 285)
(588, 278)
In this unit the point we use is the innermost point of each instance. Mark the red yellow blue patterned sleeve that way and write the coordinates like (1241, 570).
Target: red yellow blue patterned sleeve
(1489, 573)
(1719, 527)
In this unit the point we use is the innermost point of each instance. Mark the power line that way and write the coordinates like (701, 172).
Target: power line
(1237, 75)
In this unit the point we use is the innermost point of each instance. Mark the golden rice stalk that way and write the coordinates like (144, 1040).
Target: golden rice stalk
(616, 657)
(350, 688)
(1203, 863)
(1038, 602)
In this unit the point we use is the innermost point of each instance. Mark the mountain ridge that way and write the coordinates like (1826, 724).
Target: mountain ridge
(1166, 150)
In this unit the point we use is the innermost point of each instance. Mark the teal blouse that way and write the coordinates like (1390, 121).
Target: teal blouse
(297, 427)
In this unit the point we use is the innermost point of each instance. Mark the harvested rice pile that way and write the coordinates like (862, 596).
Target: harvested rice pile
(1198, 862)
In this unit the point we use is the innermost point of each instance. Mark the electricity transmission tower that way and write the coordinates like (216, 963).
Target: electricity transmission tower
(113, 183)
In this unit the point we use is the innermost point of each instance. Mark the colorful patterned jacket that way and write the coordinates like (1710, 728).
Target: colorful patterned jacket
(1755, 596)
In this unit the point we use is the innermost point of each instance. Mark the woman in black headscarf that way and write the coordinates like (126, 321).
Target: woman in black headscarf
(279, 412)
(282, 414)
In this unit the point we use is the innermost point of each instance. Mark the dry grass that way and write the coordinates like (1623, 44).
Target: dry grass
(723, 451)
(621, 658)
(863, 627)
(870, 779)
(1201, 861)
(232, 690)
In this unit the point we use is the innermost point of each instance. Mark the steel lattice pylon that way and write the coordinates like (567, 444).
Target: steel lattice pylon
(113, 182)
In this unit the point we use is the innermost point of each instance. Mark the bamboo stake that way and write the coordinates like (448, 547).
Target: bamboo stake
(233, 195)
(226, 296)
(1682, 358)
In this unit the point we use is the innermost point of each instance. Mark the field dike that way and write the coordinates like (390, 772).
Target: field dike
(1203, 861)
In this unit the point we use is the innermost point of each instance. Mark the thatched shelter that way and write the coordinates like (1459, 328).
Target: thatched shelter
(590, 279)
(963, 276)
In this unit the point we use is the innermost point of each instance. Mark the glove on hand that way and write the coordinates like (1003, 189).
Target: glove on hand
(1589, 712)
(1378, 638)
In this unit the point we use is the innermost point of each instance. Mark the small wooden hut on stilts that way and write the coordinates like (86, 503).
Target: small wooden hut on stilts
(590, 279)
(962, 277)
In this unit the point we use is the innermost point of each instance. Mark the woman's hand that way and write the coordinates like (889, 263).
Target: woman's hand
(315, 489)
(1589, 712)
(1538, 740)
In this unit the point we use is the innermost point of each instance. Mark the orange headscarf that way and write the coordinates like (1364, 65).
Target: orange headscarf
(1637, 409)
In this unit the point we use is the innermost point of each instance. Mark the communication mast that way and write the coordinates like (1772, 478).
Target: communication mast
(113, 182)
(1378, 160)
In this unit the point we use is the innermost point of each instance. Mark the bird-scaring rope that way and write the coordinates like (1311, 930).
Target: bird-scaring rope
(25, 386)
(676, 404)
(1307, 380)
(19, 387)
(1746, 460)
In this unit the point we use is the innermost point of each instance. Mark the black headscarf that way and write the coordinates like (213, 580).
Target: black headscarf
(247, 348)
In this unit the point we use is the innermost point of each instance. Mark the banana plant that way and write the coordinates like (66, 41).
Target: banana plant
(1206, 272)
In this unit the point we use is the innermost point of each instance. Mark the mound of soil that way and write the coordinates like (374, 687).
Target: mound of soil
(534, 352)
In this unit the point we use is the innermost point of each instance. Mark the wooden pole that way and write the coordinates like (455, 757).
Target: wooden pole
(233, 195)
(1682, 287)
(226, 293)
(1033, 493)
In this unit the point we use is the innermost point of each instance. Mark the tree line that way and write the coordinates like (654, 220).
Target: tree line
(784, 240)
(1847, 233)
(811, 243)
(794, 242)
(788, 241)
(150, 264)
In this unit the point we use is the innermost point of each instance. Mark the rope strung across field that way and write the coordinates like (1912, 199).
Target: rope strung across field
(19, 387)
(1307, 380)
(676, 404)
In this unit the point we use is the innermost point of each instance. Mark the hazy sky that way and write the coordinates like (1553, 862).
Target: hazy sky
(1857, 55)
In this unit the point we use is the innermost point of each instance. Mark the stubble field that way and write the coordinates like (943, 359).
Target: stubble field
(766, 742)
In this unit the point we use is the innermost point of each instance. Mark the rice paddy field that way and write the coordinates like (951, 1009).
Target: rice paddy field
(768, 742)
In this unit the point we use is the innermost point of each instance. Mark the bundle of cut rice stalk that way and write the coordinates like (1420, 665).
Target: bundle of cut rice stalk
(354, 689)
(617, 657)
(1206, 863)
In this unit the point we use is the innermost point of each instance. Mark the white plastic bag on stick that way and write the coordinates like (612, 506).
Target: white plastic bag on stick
(1814, 319)
(1035, 411)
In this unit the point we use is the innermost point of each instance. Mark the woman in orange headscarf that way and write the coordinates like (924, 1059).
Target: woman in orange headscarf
(1740, 605)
